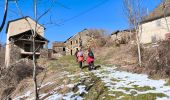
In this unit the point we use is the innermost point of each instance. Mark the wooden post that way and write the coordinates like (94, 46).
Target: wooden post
(46, 45)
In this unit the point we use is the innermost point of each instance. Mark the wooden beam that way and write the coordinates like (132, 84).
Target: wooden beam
(31, 40)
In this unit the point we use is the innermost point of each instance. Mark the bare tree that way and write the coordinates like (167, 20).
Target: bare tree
(34, 34)
(164, 8)
(134, 14)
(34, 59)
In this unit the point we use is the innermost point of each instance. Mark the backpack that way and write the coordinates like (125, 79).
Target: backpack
(91, 54)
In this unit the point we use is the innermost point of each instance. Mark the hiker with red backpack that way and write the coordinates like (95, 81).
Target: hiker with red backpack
(80, 57)
(90, 59)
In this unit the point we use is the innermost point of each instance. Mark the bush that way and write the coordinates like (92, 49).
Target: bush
(157, 59)
(99, 38)
(11, 76)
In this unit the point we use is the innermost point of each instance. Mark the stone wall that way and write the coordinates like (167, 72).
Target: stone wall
(15, 54)
(44, 53)
(122, 37)
(58, 49)
(59, 54)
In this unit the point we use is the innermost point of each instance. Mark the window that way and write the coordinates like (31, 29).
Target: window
(76, 41)
(27, 47)
(71, 42)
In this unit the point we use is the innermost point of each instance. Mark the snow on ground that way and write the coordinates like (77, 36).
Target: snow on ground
(68, 96)
(54, 95)
(119, 80)
(115, 81)
(46, 84)
(27, 94)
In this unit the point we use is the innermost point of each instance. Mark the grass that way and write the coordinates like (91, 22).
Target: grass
(98, 91)
(148, 96)
(168, 83)
(144, 88)
(102, 62)
(125, 88)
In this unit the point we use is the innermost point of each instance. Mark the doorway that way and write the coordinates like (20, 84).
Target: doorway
(71, 52)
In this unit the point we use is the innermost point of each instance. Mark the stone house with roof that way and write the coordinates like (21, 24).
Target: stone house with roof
(59, 49)
(19, 40)
(154, 27)
(80, 39)
(122, 36)
(83, 39)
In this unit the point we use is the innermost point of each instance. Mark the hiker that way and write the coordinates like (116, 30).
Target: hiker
(76, 55)
(80, 57)
(90, 59)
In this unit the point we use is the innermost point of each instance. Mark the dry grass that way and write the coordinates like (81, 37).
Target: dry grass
(116, 55)
(2, 57)
(155, 60)
(53, 72)
(11, 76)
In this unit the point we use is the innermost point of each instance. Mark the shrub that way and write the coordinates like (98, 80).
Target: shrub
(157, 59)
(11, 76)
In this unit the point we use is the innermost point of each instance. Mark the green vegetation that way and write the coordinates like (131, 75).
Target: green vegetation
(125, 88)
(144, 88)
(148, 96)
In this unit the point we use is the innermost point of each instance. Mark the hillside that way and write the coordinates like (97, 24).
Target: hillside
(62, 79)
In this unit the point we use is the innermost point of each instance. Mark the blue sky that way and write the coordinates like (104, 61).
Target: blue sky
(75, 15)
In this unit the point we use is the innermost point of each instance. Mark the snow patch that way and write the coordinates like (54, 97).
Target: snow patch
(43, 85)
(27, 94)
(117, 80)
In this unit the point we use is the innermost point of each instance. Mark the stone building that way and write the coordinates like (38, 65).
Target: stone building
(154, 26)
(19, 40)
(83, 39)
(80, 39)
(59, 49)
(122, 36)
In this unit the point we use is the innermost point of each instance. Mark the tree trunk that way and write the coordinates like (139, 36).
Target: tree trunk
(164, 11)
(36, 96)
(139, 50)
(35, 70)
